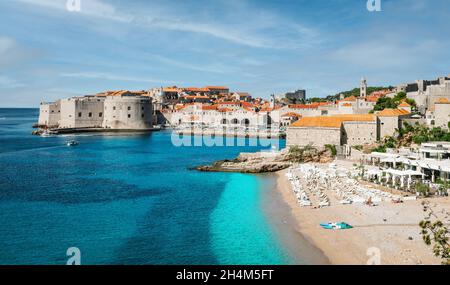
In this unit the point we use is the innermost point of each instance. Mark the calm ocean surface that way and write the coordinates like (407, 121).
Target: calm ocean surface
(126, 200)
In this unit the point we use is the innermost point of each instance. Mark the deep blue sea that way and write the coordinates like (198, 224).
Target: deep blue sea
(126, 199)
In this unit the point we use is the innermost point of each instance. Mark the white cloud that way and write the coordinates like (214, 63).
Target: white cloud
(12, 53)
(244, 29)
(92, 8)
(8, 83)
(386, 54)
(114, 77)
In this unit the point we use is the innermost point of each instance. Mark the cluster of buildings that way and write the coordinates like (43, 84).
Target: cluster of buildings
(345, 121)
(359, 126)
(429, 164)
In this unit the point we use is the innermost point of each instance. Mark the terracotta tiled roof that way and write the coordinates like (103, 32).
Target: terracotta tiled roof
(372, 98)
(291, 114)
(230, 103)
(304, 106)
(332, 121)
(347, 105)
(195, 97)
(195, 89)
(442, 100)
(392, 113)
(404, 104)
(225, 110)
(209, 107)
(171, 89)
(217, 87)
(349, 99)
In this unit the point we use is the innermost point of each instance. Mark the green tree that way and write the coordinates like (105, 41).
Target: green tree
(435, 233)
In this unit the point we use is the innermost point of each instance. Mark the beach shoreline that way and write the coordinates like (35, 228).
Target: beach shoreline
(390, 229)
(279, 216)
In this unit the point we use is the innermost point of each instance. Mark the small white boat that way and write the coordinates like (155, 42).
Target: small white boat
(48, 133)
(72, 143)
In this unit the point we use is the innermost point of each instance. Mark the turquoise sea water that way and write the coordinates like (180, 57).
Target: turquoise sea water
(126, 199)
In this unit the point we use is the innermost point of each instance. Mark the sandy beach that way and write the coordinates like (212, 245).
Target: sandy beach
(390, 229)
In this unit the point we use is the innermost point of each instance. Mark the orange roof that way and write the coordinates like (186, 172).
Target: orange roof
(392, 113)
(266, 109)
(291, 114)
(195, 89)
(332, 121)
(247, 104)
(404, 104)
(195, 97)
(225, 110)
(380, 93)
(230, 103)
(217, 88)
(349, 99)
(170, 89)
(347, 105)
(304, 106)
(209, 107)
(442, 100)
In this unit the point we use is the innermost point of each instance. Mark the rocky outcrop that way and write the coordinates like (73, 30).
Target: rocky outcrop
(264, 162)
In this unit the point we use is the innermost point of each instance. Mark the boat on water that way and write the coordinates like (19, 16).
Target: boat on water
(48, 133)
(336, 226)
(72, 143)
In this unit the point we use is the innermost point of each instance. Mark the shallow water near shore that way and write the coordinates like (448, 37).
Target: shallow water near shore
(127, 199)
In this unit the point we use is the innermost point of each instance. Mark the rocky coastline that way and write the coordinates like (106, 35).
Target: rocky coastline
(267, 162)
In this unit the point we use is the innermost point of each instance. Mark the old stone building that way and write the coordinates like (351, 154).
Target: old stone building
(82, 112)
(351, 130)
(50, 114)
(427, 92)
(334, 130)
(439, 115)
(120, 111)
(128, 113)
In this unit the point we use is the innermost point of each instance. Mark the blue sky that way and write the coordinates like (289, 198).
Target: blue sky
(256, 46)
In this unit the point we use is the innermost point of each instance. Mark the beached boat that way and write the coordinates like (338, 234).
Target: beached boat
(336, 226)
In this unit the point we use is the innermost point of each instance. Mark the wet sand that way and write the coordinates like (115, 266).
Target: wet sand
(386, 229)
(279, 215)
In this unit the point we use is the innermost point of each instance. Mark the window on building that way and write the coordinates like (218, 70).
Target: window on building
(129, 116)
(142, 116)
(100, 115)
(129, 108)
(114, 108)
(90, 115)
(142, 108)
(79, 115)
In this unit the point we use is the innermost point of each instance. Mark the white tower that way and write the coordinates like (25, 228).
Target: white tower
(272, 101)
(363, 88)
